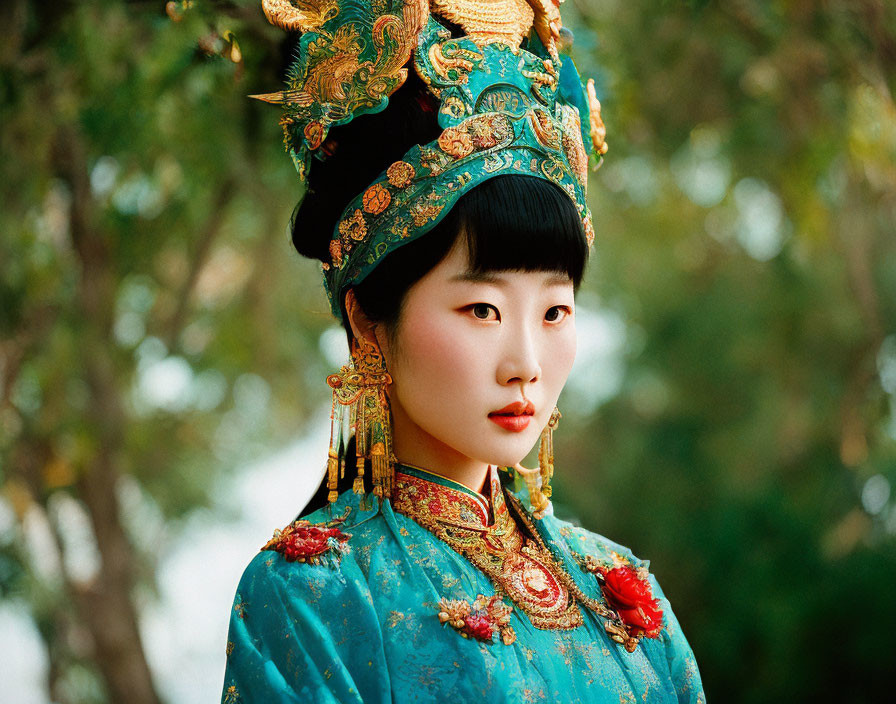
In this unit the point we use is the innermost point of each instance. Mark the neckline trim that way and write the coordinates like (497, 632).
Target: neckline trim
(433, 476)
(485, 508)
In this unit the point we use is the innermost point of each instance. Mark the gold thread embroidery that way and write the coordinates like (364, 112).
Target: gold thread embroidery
(518, 566)
(376, 199)
(456, 142)
(400, 174)
(613, 624)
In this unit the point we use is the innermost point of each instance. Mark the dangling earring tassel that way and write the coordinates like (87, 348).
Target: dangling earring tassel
(361, 440)
(538, 501)
(538, 481)
(546, 452)
(361, 388)
(334, 459)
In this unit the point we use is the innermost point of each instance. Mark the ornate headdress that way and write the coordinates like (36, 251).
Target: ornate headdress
(503, 109)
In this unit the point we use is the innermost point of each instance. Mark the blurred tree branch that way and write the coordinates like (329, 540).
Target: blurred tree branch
(204, 244)
(106, 604)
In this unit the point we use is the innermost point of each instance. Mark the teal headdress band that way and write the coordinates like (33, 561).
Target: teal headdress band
(503, 110)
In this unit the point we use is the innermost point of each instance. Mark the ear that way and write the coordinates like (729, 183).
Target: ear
(361, 325)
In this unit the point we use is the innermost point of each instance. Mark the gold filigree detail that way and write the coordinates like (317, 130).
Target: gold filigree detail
(435, 160)
(452, 63)
(480, 620)
(336, 83)
(544, 129)
(573, 145)
(376, 199)
(453, 612)
(354, 227)
(547, 23)
(489, 21)
(359, 399)
(425, 212)
(552, 169)
(589, 230)
(400, 174)
(456, 142)
(503, 99)
(299, 15)
(336, 252)
(518, 566)
(613, 624)
(598, 129)
(542, 78)
(314, 134)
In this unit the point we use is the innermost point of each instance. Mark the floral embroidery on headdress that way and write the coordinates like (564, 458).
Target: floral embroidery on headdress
(400, 174)
(456, 142)
(376, 199)
(481, 621)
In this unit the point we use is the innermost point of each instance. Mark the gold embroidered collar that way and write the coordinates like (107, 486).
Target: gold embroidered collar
(450, 501)
(482, 529)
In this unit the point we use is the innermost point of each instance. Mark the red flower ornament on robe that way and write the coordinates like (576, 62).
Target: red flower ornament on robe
(630, 595)
(627, 591)
(303, 541)
(481, 620)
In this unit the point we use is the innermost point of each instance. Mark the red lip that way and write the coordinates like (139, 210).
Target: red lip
(514, 417)
(517, 408)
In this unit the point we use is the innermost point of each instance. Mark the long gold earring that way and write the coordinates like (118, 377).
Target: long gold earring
(361, 408)
(538, 482)
(546, 452)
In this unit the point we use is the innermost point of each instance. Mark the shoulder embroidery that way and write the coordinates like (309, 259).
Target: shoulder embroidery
(486, 617)
(628, 592)
(303, 541)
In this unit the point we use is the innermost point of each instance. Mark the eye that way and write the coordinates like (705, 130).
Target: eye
(555, 314)
(484, 311)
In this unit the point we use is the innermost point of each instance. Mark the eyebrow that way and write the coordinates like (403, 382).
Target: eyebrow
(480, 277)
(487, 277)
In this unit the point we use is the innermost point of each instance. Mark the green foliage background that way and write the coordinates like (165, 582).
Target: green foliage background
(745, 221)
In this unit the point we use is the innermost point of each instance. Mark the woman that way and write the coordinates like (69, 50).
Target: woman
(438, 570)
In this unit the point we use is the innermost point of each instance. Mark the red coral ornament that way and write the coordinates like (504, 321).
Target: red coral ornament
(480, 626)
(480, 620)
(305, 541)
(628, 592)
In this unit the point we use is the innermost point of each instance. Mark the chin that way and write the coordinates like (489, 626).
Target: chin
(508, 455)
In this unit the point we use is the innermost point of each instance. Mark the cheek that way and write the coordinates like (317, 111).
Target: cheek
(437, 364)
(559, 357)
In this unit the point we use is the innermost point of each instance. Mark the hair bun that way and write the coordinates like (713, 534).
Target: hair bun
(355, 154)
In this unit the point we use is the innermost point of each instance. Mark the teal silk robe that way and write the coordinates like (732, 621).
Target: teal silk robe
(362, 625)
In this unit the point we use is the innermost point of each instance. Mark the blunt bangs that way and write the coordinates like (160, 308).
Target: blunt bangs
(510, 223)
(523, 223)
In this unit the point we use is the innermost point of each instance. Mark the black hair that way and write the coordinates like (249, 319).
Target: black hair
(509, 222)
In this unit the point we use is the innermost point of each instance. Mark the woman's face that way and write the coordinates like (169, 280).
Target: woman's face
(478, 361)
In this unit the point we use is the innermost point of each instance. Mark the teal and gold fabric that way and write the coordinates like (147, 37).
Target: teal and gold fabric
(445, 594)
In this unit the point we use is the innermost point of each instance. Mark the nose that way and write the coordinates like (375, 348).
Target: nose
(519, 361)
